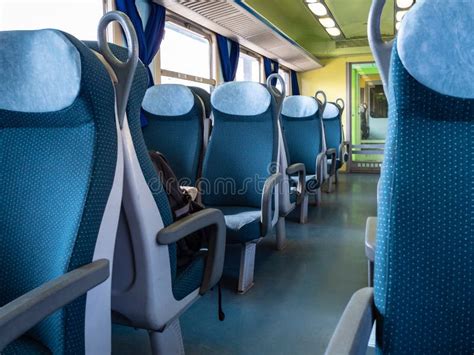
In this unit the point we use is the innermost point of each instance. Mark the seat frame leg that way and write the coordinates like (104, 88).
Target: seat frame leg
(247, 267)
(169, 341)
(281, 234)
(304, 209)
(370, 274)
(336, 179)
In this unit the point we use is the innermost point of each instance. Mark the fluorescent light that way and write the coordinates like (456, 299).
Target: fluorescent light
(311, 1)
(397, 25)
(318, 9)
(333, 31)
(404, 4)
(400, 14)
(327, 22)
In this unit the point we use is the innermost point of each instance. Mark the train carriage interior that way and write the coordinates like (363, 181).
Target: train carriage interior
(236, 177)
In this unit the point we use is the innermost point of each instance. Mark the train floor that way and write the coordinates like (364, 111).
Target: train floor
(299, 293)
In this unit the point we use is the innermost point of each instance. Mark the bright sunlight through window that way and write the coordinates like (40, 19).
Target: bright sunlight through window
(77, 17)
(248, 69)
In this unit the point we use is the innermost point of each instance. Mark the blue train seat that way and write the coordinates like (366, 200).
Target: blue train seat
(147, 237)
(423, 296)
(176, 128)
(238, 171)
(332, 120)
(293, 185)
(304, 135)
(62, 178)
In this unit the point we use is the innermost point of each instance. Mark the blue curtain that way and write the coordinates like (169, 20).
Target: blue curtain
(295, 88)
(149, 39)
(271, 67)
(229, 57)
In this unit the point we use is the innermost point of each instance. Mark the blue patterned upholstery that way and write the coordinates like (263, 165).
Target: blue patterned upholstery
(205, 97)
(175, 128)
(243, 223)
(183, 281)
(424, 266)
(301, 123)
(26, 346)
(242, 152)
(58, 168)
(332, 126)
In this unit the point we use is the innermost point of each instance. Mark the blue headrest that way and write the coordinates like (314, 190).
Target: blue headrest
(47, 81)
(435, 44)
(168, 100)
(331, 111)
(244, 98)
(299, 106)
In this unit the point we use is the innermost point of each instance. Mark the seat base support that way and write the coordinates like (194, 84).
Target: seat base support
(169, 341)
(281, 234)
(247, 267)
(304, 209)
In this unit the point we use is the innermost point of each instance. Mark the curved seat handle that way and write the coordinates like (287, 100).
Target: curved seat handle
(125, 71)
(322, 103)
(340, 103)
(277, 95)
(382, 50)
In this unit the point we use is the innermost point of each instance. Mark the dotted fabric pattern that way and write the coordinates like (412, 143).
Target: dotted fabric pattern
(57, 172)
(25, 346)
(424, 267)
(241, 154)
(304, 138)
(179, 139)
(332, 131)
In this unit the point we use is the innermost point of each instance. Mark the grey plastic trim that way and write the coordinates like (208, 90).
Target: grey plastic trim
(321, 103)
(277, 95)
(381, 50)
(213, 221)
(300, 169)
(341, 106)
(267, 211)
(370, 238)
(353, 330)
(125, 71)
(332, 154)
(23, 313)
(344, 148)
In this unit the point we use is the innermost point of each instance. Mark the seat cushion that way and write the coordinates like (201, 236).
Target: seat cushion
(190, 277)
(24, 346)
(243, 223)
(312, 183)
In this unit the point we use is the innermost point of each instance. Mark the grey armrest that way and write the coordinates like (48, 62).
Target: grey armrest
(23, 313)
(331, 153)
(299, 169)
(370, 238)
(353, 330)
(321, 168)
(267, 208)
(213, 221)
(344, 151)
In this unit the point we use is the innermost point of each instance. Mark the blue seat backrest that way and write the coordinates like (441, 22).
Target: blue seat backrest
(175, 128)
(301, 123)
(205, 97)
(332, 126)
(243, 148)
(58, 152)
(424, 267)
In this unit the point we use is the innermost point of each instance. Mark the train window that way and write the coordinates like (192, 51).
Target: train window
(286, 77)
(248, 68)
(185, 57)
(77, 17)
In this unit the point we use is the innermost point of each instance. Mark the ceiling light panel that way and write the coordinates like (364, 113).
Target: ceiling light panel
(325, 17)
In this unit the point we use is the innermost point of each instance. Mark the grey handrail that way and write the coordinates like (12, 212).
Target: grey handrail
(24, 312)
(124, 71)
(381, 50)
(277, 95)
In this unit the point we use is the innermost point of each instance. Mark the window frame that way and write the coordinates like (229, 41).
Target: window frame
(256, 56)
(184, 76)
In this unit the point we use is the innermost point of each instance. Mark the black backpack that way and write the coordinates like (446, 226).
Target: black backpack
(182, 205)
